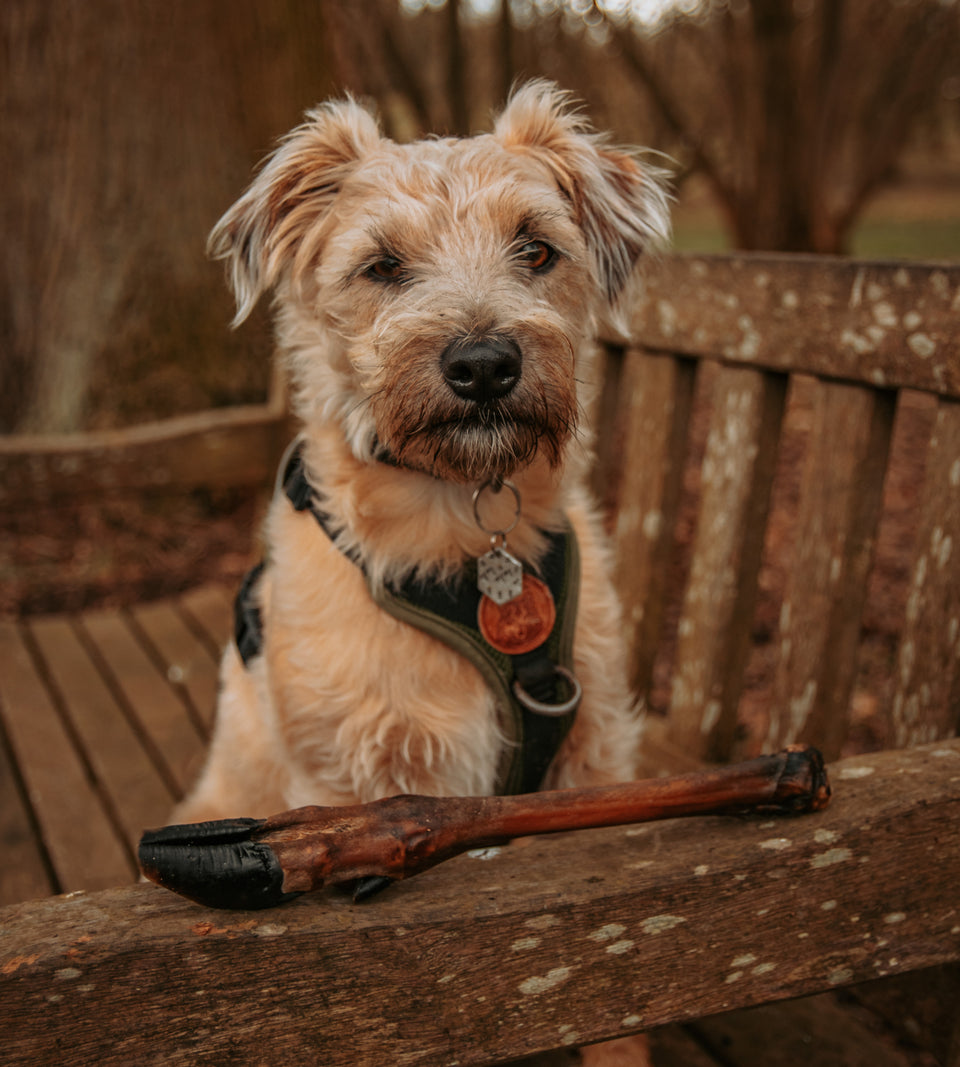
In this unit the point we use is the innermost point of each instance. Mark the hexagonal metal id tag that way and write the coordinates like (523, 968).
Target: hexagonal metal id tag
(499, 575)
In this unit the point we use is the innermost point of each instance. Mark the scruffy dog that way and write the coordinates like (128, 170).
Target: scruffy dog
(436, 302)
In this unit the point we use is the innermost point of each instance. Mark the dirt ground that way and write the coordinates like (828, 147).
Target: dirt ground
(123, 550)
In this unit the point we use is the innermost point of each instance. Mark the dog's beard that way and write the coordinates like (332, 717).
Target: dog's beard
(468, 444)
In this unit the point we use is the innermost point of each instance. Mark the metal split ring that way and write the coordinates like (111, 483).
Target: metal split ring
(566, 706)
(478, 492)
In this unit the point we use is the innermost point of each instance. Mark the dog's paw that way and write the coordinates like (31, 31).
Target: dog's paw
(621, 1052)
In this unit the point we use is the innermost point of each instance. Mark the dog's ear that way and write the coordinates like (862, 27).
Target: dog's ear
(273, 227)
(619, 203)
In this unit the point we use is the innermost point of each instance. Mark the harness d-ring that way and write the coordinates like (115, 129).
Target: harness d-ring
(493, 487)
(563, 708)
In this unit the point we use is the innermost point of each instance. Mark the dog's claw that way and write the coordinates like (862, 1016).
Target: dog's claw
(369, 886)
(215, 864)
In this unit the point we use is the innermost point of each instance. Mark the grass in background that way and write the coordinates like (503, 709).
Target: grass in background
(920, 222)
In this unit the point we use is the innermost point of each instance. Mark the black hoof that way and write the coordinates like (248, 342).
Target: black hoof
(215, 864)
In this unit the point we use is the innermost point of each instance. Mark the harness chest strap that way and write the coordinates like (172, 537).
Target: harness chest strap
(449, 613)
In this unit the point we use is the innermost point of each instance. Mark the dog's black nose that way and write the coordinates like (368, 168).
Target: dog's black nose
(482, 370)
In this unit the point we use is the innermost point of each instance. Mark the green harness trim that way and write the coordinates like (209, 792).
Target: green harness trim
(448, 612)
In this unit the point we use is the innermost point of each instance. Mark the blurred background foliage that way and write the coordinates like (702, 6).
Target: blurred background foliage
(126, 129)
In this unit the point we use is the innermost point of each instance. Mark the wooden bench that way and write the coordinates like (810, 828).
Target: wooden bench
(780, 446)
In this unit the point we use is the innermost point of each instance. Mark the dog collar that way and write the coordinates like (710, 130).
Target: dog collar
(532, 689)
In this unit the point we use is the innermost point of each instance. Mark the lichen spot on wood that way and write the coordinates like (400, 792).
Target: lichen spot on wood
(830, 857)
(608, 932)
(542, 922)
(659, 924)
(269, 930)
(922, 345)
(568, 1036)
(856, 772)
(541, 983)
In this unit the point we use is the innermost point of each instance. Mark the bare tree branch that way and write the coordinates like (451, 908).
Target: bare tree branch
(633, 52)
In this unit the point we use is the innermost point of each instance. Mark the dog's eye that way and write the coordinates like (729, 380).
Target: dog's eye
(387, 269)
(537, 255)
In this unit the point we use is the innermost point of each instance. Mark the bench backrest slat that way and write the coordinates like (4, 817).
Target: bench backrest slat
(659, 395)
(714, 631)
(839, 508)
(926, 702)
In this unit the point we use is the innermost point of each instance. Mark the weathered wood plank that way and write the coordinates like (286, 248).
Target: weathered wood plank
(23, 874)
(188, 664)
(209, 613)
(571, 939)
(922, 1008)
(130, 781)
(840, 501)
(657, 395)
(602, 412)
(80, 838)
(148, 698)
(715, 626)
(225, 447)
(881, 324)
(813, 1030)
(926, 703)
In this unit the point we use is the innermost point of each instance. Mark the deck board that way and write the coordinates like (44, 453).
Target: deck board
(148, 700)
(26, 875)
(67, 808)
(188, 664)
(208, 613)
(210, 610)
(125, 769)
(103, 721)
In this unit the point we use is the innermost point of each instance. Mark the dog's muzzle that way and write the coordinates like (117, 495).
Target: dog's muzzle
(482, 371)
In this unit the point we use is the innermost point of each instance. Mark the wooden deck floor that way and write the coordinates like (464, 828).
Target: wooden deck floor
(103, 721)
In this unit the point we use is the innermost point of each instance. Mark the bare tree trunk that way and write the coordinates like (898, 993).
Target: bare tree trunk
(127, 129)
(59, 286)
(505, 48)
(796, 113)
(456, 71)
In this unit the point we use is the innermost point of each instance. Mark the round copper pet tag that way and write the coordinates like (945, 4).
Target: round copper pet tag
(519, 625)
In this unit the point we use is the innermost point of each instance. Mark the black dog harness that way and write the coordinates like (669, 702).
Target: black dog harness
(448, 611)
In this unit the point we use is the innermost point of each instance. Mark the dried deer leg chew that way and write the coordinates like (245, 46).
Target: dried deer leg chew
(258, 863)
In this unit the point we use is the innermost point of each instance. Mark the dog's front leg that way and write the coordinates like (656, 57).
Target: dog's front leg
(243, 774)
(373, 707)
